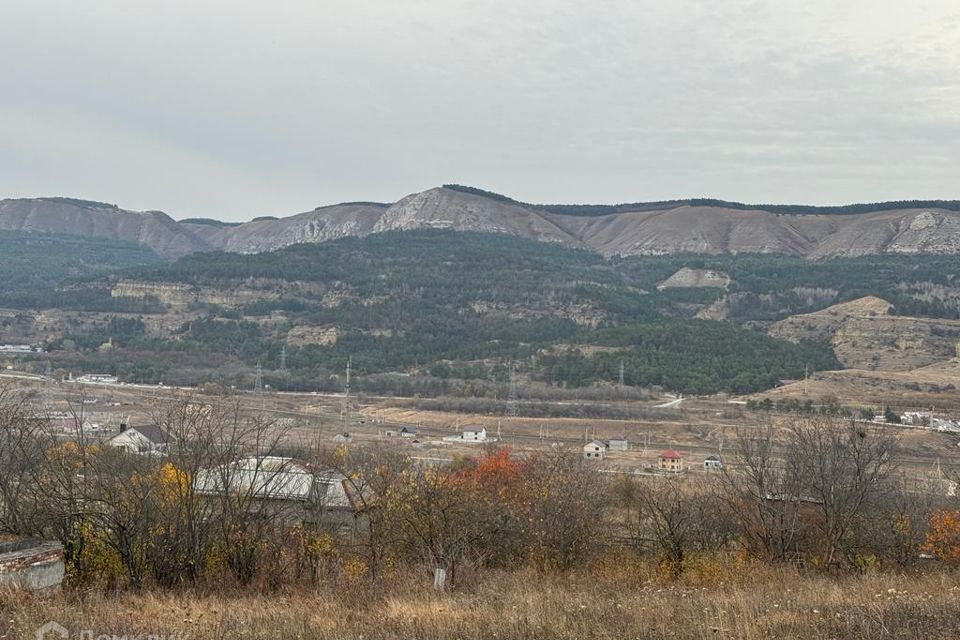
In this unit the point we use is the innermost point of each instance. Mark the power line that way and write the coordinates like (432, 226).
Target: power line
(258, 381)
(512, 395)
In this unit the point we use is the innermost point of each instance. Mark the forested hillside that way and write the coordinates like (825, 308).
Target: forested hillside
(450, 305)
(36, 268)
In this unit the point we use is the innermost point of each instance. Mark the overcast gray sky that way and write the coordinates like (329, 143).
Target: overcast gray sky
(237, 108)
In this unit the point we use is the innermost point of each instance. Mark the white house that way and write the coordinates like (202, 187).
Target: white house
(477, 435)
(147, 439)
(408, 432)
(471, 435)
(594, 450)
(712, 463)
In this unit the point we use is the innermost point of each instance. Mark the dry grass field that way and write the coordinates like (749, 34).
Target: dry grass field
(934, 385)
(758, 602)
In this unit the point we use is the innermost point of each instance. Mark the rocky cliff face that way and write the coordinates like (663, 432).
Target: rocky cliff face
(680, 229)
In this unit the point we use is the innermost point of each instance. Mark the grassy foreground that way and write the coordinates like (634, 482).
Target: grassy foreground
(772, 604)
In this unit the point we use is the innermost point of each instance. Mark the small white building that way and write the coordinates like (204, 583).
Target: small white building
(618, 444)
(146, 440)
(98, 378)
(476, 435)
(712, 463)
(471, 435)
(594, 450)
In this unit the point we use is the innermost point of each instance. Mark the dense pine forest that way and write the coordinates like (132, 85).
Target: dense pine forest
(39, 270)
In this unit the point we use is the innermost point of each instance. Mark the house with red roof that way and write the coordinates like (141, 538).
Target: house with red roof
(670, 461)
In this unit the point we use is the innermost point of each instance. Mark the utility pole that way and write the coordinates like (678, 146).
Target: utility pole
(283, 358)
(621, 375)
(345, 407)
(258, 385)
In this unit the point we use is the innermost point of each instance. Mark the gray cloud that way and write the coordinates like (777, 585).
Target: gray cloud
(237, 108)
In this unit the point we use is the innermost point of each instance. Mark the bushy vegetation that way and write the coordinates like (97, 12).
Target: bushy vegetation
(811, 505)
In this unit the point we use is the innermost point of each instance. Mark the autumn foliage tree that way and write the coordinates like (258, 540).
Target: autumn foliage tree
(943, 538)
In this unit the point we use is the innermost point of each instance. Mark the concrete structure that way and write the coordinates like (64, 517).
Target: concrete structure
(916, 418)
(146, 439)
(712, 463)
(594, 450)
(670, 461)
(618, 444)
(31, 564)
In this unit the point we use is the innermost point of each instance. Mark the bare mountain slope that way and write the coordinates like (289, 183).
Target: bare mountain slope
(628, 230)
(320, 225)
(449, 209)
(688, 229)
(77, 217)
(682, 229)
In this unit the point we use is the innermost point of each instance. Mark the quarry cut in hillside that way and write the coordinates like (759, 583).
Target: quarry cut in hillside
(688, 277)
(864, 336)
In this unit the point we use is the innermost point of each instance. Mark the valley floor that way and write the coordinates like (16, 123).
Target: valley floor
(760, 603)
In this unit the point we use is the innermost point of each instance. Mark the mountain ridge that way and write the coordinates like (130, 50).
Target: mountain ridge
(657, 228)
